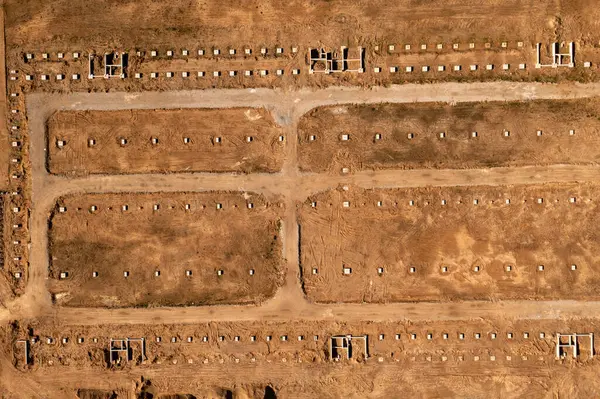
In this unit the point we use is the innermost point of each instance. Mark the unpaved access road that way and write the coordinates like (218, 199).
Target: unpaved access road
(293, 186)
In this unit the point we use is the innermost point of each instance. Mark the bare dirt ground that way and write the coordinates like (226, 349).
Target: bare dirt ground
(465, 135)
(493, 347)
(450, 244)
(146, 234)
(15, 232)
(195, 23)
(492, 342)
(495, 354)
(187, 140)
(67, 27)
(4, 148)
(289, 307)
(348, 381)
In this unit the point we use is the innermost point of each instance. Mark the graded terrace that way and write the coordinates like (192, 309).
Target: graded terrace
(439, 135)
(185, 140)
(445, 244)
(156, 249)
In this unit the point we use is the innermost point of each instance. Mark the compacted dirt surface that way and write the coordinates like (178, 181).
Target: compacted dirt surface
(140, 141)
(156, 249)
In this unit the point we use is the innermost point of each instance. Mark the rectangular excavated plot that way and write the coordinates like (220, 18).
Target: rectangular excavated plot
(543, 244)
(181, 140)
(436, 135)
(111, 254)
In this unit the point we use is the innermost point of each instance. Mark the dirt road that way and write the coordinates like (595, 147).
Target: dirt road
(287, 107)
(283, 308)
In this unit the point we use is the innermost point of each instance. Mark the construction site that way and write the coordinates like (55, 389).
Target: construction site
(321, 199)
(443, 136)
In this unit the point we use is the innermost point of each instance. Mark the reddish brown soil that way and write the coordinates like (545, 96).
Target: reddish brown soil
(462, 365)
(459, 236)
(4, 111)
(15, 236)
(525, 342)
(72, 26)
(203, 152)
(171, 240)
(143, 23)
(458, 148)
